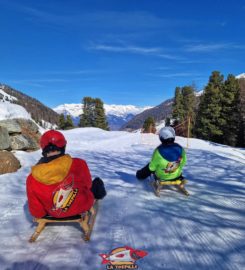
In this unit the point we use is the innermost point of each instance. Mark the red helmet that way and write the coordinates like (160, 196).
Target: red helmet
(53, 137)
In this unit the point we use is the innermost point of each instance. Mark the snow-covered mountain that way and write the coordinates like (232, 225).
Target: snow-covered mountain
(241, 76)
(117, 115)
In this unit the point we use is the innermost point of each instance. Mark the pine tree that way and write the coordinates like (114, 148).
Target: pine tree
(87, 117)
(178, 109)
(68, 123)
(229, 116)
(241, 107)
(100, 117)
(61, 121)
(93, 114)
(149, 125)
(189, 100)
(208, 117)
(167, 122)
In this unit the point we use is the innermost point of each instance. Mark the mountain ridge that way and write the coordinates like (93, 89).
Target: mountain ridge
(117, 115)
(38, 111)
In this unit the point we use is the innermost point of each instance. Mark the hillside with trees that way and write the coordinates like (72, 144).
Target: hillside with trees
(220, 116)
(158, 113)
(217, 115)
(37, 110)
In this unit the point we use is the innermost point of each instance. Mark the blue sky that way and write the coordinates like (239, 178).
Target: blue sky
(123, 51)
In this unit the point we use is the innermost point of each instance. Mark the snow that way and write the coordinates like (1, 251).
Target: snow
(10, 111)
(203, 231)
(241, 76)
(116, 110)
(71, 109)
(124, 110)
(199, 93)
(4, 96)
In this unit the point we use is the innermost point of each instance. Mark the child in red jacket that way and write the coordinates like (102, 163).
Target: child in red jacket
(59, 185)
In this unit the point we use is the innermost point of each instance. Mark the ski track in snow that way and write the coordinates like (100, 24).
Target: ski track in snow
(203, 231)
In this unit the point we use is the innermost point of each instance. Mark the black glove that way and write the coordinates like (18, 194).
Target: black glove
(143, 173)
(98, 189)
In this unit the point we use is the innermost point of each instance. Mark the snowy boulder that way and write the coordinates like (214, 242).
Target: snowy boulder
(4, 138)
(8, 162)
(11, 125)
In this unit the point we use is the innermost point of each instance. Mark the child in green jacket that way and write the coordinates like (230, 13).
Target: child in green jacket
(168, 158)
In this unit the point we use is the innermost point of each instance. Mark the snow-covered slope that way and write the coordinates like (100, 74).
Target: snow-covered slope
(4, 97)
(205, 231)
(9, 110)
(117, 115)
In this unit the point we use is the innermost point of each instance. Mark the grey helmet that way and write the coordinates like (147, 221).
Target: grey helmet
(167, 133)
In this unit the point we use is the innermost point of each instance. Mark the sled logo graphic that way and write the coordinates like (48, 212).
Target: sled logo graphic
(64, 195)
(172, 166)
(123, 258)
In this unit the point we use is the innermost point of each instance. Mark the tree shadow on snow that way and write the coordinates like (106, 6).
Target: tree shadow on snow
(127, 177)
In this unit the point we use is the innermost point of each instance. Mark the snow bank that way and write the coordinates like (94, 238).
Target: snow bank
(10, 111)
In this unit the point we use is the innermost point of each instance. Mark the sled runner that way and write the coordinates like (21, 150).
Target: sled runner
(158, 185)
(86, 221)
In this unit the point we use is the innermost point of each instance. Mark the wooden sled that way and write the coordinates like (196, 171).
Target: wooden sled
(85, 220)
(158, 185)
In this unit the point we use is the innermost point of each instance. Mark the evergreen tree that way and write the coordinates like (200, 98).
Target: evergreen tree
(241, 107)
(93, 114)
(167, 122)
(208, 117)
(178, 109)
(61, 123)
(149, 125)
(229, 116)
(69, 124)
(87, 117)
(184, 105)
(100, 117)
(189, 100)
